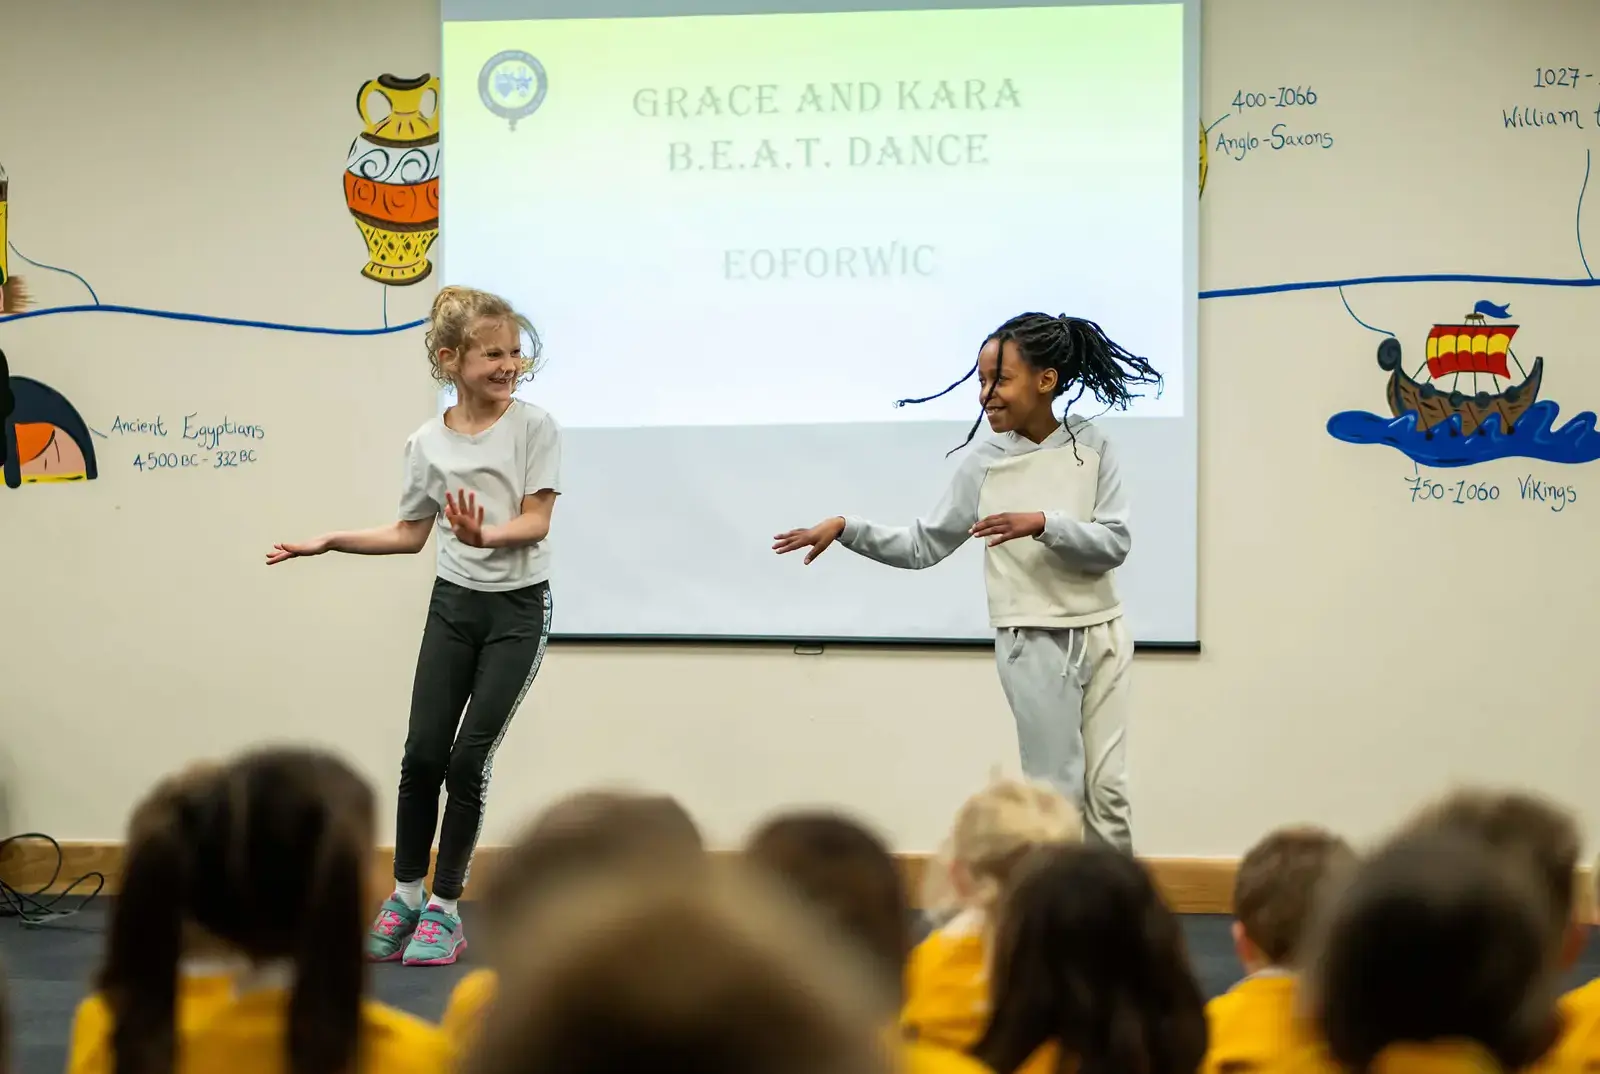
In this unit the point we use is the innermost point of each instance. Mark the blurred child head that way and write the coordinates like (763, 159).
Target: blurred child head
(588, 831)
(709, 972)
(1535, 835)
(1088, 955)
(268, 856)
(840, 868)
(1275, 892)
(1434, 940)
(993, 831)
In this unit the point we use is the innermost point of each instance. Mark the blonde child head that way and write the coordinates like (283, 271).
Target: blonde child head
(993, 831)
(476, 339)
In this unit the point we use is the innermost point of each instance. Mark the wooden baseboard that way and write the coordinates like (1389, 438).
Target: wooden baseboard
(1192, 885)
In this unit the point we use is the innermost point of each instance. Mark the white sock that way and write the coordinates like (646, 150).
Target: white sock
(447, 905)
(410, 893)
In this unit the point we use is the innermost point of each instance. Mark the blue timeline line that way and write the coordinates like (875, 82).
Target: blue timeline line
(1226, 292)
(54, 268)
(1420, 277)
(1358, 320)
(1587, 156)
(231, 322)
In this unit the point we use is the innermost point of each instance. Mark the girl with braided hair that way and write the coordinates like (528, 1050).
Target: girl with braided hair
(1046, 497)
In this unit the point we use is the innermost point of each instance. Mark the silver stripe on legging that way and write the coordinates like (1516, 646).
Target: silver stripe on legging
(488, 762)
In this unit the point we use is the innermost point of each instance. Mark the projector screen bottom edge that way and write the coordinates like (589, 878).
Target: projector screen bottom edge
(735, 640)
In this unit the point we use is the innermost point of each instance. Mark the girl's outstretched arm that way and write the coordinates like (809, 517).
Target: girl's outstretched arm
(925, 542)
(402, 538)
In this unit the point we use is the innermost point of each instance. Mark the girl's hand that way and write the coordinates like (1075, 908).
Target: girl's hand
(998, 529)
(282, 553)
(817, 538)
(465, 518)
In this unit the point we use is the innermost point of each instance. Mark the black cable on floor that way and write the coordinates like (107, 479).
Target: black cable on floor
(31, 906)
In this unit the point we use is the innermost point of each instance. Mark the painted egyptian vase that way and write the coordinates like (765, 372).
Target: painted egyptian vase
(5, 190)
(391, 177)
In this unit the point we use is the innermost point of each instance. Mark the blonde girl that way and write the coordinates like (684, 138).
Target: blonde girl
(484, 475)
(947, 981)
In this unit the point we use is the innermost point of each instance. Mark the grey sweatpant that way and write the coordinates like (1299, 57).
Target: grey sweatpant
(1068, 691)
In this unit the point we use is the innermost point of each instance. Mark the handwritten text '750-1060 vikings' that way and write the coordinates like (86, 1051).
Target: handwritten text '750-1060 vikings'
(1529, 491)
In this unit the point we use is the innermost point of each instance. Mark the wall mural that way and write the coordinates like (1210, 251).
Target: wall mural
(391, 176)
(13, 295)
(391, 189)
(1469, 398)
(1463, 404)
(45, 438)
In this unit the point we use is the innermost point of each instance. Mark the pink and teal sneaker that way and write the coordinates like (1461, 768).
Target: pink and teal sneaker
(438, 940)
(386, 940)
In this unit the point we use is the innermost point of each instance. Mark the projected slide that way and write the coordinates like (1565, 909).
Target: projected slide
(778, 219)
(744, 234)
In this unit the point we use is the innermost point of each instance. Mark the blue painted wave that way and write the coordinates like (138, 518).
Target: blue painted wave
(1536, 437)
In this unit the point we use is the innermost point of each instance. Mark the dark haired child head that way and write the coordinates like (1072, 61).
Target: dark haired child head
(587, 831)
(1033, 359)
(1275, 893)
(1533, 835)
(1434, 941)
(269, 856)
(1089, 956)
(847, 873)
(715, 973)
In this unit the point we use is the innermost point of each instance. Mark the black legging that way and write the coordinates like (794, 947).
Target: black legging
(480, 653)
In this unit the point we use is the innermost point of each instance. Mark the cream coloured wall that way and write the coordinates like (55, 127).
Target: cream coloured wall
(1360, 650)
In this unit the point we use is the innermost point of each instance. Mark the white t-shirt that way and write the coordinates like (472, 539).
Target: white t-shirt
(517, 456)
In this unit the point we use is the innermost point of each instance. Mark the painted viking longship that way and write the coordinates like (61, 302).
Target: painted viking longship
(1467, 375)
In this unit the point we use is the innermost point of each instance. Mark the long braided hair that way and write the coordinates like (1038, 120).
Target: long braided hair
(1085, 359)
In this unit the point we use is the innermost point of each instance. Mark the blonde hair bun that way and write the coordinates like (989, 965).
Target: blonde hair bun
(454, 316)
(993, 831)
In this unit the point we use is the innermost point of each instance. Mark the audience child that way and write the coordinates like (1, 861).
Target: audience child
(207, 968)
(706, 972)
(1542, 840)
(1538, 836)
(270, 858)
(848, 874)
(1434, 959)
(1256, 1025)
(947, 987)
(1579, 1046)
(589, 831)
(1086, 955)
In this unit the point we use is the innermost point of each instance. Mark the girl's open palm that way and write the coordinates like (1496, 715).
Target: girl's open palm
(465, 517)
(282, 553)
(817, 538)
